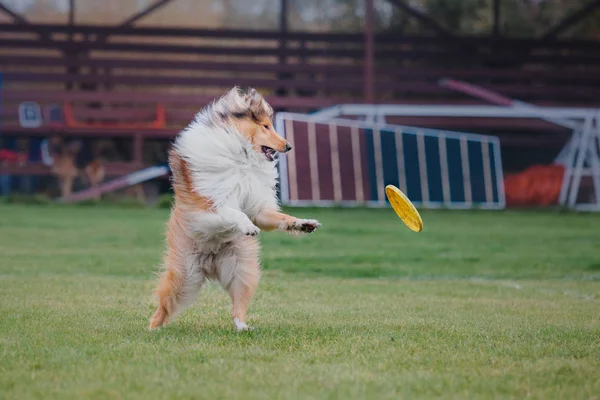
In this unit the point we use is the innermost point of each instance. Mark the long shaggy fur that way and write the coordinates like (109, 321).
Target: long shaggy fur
(224, 181)
(226, 169)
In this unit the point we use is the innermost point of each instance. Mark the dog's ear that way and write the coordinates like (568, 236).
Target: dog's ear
(251, 96)
(232, 95)
(74, 147)
(56, 145)
(255, 101)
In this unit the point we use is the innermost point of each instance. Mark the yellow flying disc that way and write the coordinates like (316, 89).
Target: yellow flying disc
(404, 208)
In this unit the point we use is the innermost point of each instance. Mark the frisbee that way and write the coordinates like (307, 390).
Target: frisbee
(404, 208)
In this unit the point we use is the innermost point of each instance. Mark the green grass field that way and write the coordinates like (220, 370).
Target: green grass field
(478, 305)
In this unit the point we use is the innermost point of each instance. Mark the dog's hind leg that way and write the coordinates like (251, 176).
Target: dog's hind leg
(177, 289)
(180, 281)
(66, 186)
(239, 274)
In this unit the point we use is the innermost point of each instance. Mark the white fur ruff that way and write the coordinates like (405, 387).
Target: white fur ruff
(226, 170)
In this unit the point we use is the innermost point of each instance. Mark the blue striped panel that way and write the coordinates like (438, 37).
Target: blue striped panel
(389, 157)
(370, 150)
(476, 171)
(434, 171)
(455, 174)
(411, 166)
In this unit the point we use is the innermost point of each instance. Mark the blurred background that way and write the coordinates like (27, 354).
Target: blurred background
(469, 105)
(94, 91)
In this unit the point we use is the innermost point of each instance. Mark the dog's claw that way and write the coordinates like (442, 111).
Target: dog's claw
(253, 233)
(250, 230)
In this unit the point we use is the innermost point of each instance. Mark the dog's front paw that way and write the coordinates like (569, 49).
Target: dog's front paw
(252, 231)
(304, 226)
(249, 229)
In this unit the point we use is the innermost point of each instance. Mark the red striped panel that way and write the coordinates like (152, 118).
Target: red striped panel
(349, 181)
(301, 153)
(324, 162)
(346, 163)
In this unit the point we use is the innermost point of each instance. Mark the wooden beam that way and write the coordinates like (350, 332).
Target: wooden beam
(70, 58)
(422, 17)
(17, 18)
(22, 21)
(134, 18)
(369, 85)
(283, 15)
(283, 29)
(145, 12)
(571, 20)
(43, 36)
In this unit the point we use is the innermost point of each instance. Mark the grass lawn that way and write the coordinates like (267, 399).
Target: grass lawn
(478, 305)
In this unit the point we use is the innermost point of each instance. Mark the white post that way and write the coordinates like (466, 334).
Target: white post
(423, 168)
(357, 164)
(595, 160)
(582, 148)
(466, 169)
(292, 167)
(444, 169)
(569, 152)
(487, 172)
(378, 165)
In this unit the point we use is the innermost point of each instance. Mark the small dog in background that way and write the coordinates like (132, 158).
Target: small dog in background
(69, 160)
(224, 179)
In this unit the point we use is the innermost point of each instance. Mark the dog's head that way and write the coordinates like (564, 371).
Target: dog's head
(58, 147)
(252, 116)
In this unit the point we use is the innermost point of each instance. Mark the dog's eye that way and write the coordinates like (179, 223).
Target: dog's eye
(266, 127)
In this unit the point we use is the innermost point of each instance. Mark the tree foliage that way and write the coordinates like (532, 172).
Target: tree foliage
(523, 18)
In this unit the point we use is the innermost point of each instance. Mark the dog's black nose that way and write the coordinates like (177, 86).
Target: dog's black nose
(287, 147)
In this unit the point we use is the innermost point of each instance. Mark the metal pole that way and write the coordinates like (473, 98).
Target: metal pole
(496, 14)
(283, 28)
(71, 13)
(369, 89)
(5, 179)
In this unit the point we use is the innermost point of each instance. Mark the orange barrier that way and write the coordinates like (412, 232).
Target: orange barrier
(538, 185)
(158, 123)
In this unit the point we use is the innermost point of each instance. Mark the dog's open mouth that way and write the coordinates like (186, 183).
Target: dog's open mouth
(268, 152)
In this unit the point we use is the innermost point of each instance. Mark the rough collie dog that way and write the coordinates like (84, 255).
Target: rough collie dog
(224, 177)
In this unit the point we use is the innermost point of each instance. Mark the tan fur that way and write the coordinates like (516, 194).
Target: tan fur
(261, 133)
(180, 280)
(182, 184)
(271, 220)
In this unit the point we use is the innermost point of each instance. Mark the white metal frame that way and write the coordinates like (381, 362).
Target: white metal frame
(581, 149)
(283, 125)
